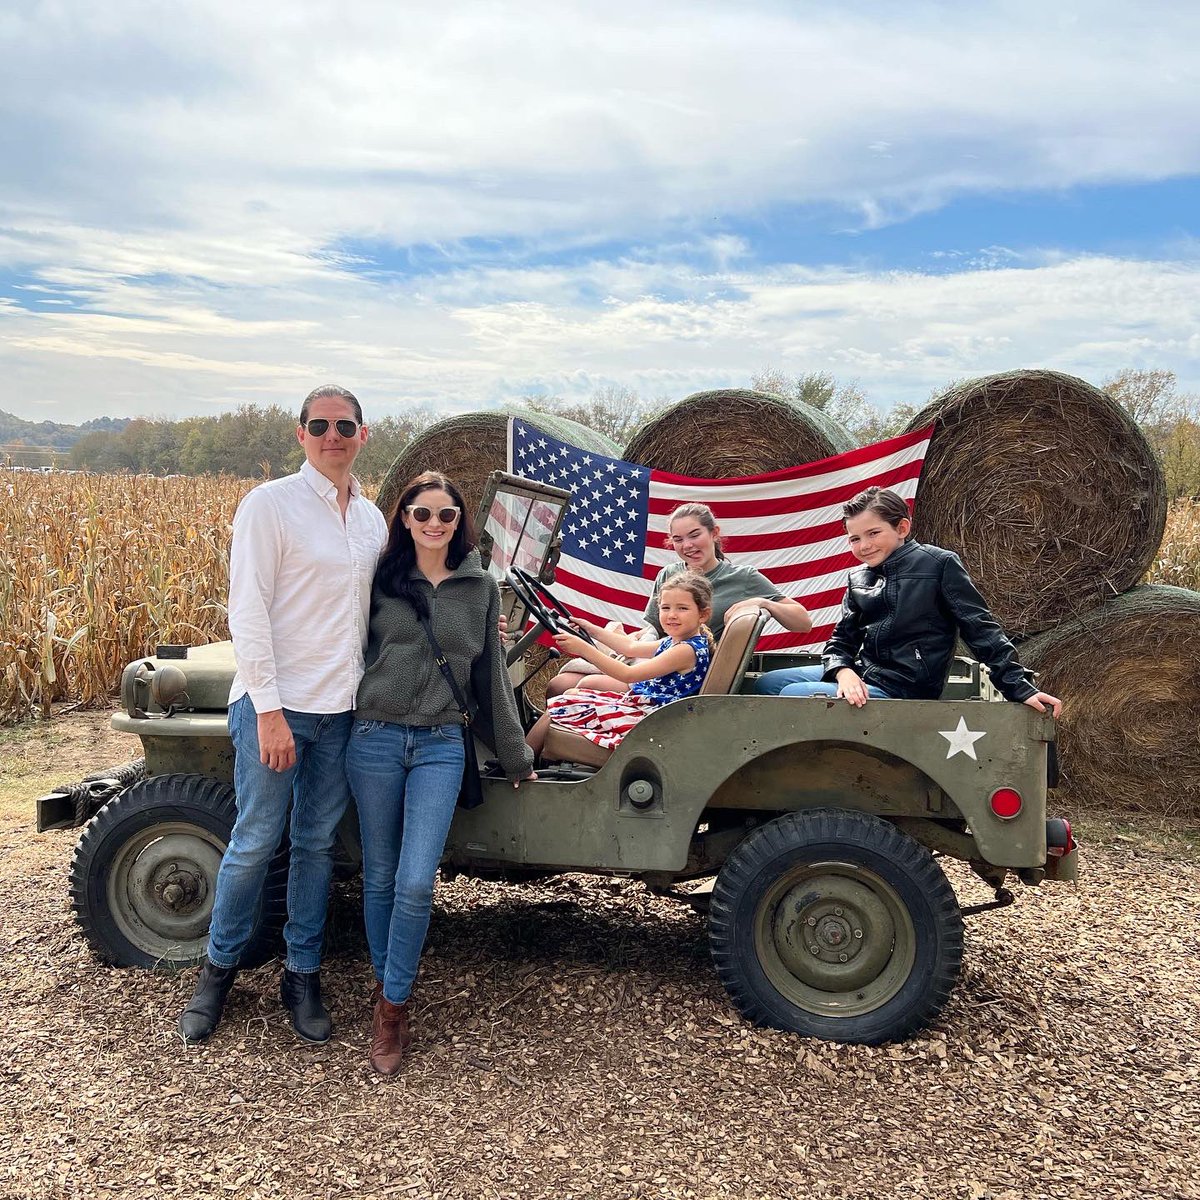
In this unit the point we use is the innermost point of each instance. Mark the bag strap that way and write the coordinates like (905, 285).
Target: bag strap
(444, 667)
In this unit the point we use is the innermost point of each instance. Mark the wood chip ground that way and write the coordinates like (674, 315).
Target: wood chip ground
(573, 1042)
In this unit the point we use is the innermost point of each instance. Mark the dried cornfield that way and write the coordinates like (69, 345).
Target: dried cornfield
(1177, 562)
(96, 570)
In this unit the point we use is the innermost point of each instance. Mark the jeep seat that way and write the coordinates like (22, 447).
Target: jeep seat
(724, 677)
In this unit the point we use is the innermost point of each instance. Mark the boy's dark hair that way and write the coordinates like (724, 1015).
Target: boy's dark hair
(400, 555)
(883, 502)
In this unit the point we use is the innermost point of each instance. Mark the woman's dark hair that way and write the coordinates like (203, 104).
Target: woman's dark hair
(400, 555)
(883, 502)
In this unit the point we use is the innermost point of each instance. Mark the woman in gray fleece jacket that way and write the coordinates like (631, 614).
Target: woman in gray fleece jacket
(406, 754)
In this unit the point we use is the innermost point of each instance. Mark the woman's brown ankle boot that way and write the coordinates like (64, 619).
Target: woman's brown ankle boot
(390, 1036)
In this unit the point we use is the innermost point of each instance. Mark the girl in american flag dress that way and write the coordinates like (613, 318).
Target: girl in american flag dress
(670, 669)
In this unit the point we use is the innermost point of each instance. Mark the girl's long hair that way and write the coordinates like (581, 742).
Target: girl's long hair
(400, 555)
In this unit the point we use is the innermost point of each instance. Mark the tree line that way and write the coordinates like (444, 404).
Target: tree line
(256, 442)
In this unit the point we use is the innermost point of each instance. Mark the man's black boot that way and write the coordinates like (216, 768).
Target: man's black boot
(301, 996)
(203, 1013)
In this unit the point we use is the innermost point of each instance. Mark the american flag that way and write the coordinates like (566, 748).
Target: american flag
(787, 524)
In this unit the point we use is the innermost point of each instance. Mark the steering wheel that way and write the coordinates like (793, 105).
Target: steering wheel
(555, 619)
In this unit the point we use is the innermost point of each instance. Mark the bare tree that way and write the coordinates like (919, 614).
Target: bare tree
(613, 410)
(1149, 397)
(846, 403)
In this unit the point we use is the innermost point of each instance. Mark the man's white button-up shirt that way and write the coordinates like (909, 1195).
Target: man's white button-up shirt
(300, 592)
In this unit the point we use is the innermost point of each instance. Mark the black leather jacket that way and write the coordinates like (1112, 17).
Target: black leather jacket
(899, 622)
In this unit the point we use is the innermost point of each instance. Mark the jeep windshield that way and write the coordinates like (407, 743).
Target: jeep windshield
(520, 523)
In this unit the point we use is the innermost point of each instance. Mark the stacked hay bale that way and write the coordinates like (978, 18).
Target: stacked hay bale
(1126, 672)
(470, 447)
(1056, 503)
(733, 432)
(1046, 489)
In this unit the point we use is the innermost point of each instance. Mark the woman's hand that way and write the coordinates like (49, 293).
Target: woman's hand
(517, 782)
(751, 605)
(851, 687)
(1040, 701)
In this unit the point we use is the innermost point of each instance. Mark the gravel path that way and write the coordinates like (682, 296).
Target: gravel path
(573, 1041)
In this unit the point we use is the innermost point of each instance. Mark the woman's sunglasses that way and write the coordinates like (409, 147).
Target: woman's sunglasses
(317, 426)
(422, 513)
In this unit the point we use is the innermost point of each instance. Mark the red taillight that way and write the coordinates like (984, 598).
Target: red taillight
(1006, 803)
(1059, 838)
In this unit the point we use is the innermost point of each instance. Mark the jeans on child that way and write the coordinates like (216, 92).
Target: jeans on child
(405, 780)
(803, 681)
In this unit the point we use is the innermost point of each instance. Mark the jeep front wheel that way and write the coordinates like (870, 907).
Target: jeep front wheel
(834, 924)
(144, 874)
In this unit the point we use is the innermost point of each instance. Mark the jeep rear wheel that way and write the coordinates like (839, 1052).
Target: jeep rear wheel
(144, 873)
(834, 924)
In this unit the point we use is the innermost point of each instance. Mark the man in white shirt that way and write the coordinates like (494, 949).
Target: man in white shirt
(300, 568)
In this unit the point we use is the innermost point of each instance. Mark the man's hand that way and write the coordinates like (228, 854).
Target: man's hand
(1041, 701)
(276, 746)
(851, 688)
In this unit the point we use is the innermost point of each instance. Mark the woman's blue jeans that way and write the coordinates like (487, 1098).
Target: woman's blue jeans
(405, 780)
(803, 681)
(315, 791)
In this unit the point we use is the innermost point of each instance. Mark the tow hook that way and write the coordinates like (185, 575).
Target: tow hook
(1003, 899)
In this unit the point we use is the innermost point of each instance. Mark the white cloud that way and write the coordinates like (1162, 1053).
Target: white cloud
(472, 339)
(421, 123)
(186, 190)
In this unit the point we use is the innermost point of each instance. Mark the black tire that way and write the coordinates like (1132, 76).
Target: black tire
(144, 873)
(834, 924)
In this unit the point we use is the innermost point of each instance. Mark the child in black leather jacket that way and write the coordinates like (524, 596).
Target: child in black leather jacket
(903, 609)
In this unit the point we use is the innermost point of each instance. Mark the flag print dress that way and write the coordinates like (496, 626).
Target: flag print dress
(606, 717)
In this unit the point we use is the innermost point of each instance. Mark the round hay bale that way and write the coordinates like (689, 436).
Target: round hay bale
(1129, 734)
(733, 432)
(470, 447)
(1046, 489)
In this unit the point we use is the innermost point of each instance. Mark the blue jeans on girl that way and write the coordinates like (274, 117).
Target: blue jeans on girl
(315, 788)
(803, 681)
(405, 780)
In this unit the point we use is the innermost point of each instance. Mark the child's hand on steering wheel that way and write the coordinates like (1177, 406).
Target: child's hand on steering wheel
(570, 644)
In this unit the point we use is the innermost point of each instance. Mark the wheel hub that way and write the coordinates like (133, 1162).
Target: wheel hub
(833, 933)
(164, 885)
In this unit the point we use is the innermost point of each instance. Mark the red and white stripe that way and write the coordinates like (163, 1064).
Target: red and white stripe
(786, 524)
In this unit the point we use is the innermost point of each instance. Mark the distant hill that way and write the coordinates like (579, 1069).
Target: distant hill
(51, 434)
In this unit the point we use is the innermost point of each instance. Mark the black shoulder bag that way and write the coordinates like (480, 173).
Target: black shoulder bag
(470, 795)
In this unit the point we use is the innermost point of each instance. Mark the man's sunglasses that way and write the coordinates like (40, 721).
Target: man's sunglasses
(422, 513)
(317, 426)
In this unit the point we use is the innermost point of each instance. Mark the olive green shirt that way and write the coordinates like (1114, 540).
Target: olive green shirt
(403, 684)
(730, 584)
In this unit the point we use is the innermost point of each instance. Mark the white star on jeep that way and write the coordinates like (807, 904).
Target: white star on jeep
(962, 740)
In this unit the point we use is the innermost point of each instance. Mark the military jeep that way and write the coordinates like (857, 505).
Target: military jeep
(818, 824)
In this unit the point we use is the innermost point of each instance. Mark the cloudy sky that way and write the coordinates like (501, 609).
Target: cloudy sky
(458, 204)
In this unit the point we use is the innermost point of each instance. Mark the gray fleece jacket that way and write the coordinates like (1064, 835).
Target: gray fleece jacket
(403, 684)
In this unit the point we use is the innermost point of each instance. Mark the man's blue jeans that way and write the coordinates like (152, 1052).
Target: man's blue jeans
(405, 780)
(803, 681)
(316, 790)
